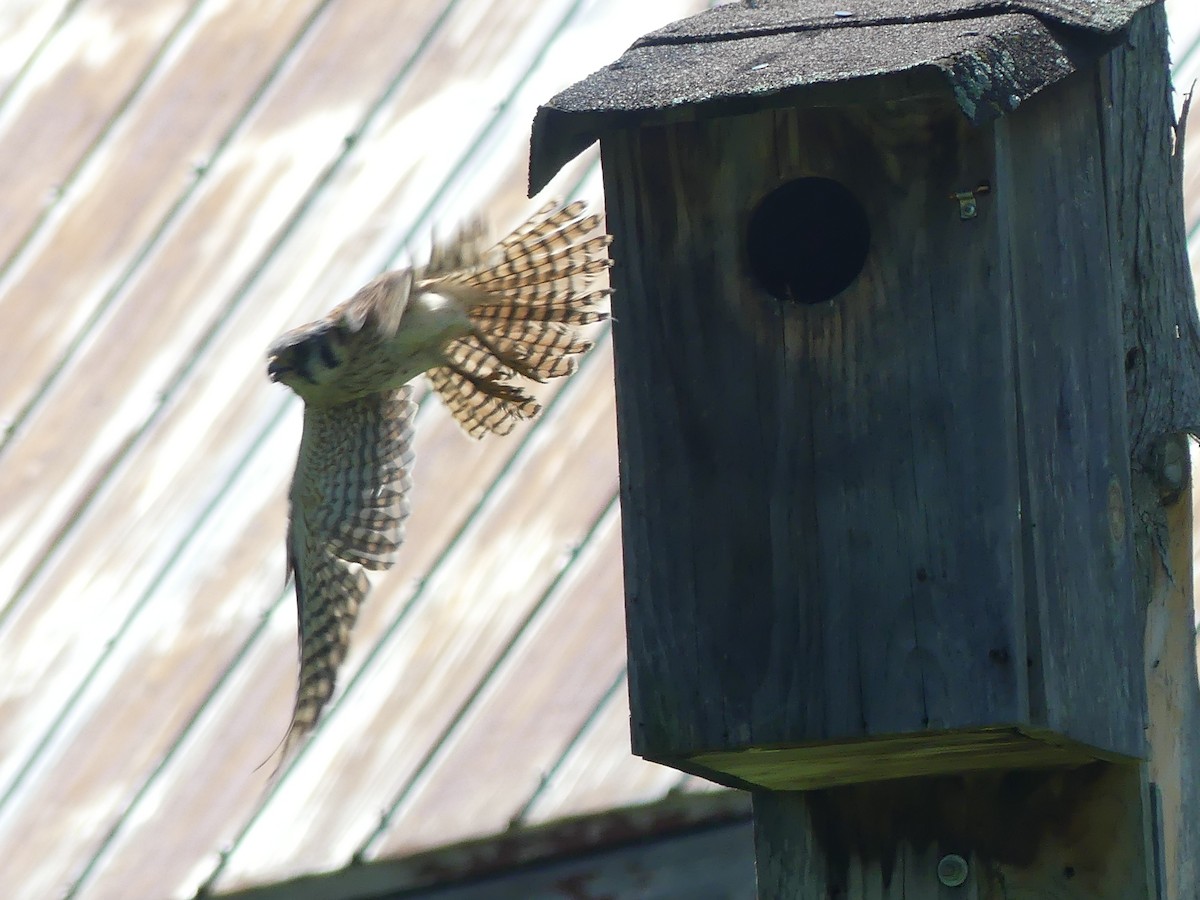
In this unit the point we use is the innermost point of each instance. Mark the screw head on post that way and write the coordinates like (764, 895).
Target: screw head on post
(952, 870)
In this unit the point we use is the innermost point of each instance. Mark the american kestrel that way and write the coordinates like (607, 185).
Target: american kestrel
(474, 320)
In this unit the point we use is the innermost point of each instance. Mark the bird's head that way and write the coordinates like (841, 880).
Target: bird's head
(309, 357)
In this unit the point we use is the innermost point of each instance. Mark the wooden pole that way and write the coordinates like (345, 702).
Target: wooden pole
(1171, 685)
(1144, 156)
(1067, 834)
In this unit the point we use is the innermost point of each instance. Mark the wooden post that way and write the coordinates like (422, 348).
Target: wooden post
(899, 353)
(1066, 834)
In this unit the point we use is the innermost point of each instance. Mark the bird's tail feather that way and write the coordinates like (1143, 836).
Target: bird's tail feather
(526, 297)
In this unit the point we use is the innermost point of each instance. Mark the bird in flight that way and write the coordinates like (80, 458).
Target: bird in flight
(475, 320)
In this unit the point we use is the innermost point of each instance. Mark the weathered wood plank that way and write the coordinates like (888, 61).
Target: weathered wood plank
(1173, 691)
(203, 614)
(133, 181)
(1082, 615)
(245, 355)
(696, 847)
(1162, 340)
(1150, 271)
(110, 391)
(123, 544)
(146, 533)
(712, 862)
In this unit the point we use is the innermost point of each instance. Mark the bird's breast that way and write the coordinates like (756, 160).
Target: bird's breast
(431, 321)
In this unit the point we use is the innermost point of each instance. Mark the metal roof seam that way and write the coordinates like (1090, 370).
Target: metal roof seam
(203, 706)
(493, 488)
(575, 740)
(15, 82)
(136, 794)
(110, 297)
(118, 112)
(470, 701)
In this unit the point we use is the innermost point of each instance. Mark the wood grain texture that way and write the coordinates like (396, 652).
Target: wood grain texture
(882, 757)
(846, 519)
(1144, 165)
(86, 67)
(1082, 616)
(123, 539)
(494, 576)
(1173, 691)
(65, 370)
(1146, 156)
(787, 470)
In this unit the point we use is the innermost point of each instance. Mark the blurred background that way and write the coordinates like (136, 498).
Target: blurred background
(182, 181)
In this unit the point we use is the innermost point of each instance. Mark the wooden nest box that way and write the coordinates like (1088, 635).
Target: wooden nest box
(870, 392)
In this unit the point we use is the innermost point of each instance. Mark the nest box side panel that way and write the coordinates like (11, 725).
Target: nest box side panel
(1084, 623)
(820, 501)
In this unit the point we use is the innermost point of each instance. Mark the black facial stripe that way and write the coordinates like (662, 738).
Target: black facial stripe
(326, 351)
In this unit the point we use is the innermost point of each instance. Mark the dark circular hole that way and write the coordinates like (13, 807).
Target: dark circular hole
(807, 240)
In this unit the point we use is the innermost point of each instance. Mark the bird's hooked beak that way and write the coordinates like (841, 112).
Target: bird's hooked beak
(277, 368)
(281, 358)
(286, 358)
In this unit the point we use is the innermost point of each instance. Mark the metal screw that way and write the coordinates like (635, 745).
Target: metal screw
(968, 208)
(952, 870)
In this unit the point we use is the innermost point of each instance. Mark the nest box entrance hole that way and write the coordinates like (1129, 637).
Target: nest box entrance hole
(807, 240)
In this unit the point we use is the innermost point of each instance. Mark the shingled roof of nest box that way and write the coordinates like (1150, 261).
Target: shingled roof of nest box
(991, 54)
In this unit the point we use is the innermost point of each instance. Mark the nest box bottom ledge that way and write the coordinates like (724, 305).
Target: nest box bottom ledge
(815, 766)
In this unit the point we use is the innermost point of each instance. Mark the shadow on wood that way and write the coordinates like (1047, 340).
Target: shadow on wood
(1060, 834)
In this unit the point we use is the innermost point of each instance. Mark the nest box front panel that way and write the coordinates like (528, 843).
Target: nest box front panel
(819, 472)
(873, 463)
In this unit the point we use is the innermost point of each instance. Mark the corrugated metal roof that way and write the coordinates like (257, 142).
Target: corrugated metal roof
(194, 178)
(185, 179)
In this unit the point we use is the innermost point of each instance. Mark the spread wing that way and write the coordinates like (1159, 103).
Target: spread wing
(349, 501)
